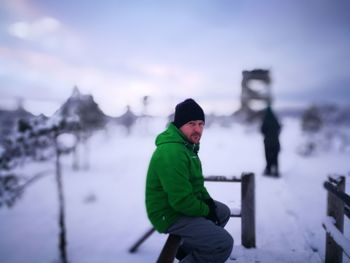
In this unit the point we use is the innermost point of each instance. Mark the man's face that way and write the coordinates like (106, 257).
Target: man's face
(193, 130)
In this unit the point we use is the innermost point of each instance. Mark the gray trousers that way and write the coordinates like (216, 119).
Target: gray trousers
(204, 241)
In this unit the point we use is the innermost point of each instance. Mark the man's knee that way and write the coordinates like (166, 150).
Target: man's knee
(224, 242)
(228, 242)
(223, 212)
(223, 247)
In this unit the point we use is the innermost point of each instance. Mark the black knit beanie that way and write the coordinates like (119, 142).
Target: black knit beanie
(186, 111)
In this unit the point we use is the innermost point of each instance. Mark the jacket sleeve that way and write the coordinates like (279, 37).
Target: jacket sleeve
(175, 182)
(205, 194)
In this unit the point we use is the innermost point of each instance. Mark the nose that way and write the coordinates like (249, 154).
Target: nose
(198, 128)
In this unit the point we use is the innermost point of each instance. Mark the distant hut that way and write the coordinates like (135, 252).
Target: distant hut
(250, 96)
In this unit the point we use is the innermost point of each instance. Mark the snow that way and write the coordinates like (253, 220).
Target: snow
(329, 225)
(105, 212)
(66, 140)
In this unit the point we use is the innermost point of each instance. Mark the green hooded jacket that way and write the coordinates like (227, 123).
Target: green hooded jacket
(175, 183)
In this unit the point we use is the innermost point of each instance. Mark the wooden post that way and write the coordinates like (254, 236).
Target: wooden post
(335, 209)
(141, 240)
(168, 253)
(61, 216)
(248, 210)
(75, 155)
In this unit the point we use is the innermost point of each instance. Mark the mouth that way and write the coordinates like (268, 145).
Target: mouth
(196, 137)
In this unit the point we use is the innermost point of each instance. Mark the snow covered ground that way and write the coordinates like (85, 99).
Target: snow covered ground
(104, 206)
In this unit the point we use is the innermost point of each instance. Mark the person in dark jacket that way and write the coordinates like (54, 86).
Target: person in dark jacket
(177, 201)
(271, 129)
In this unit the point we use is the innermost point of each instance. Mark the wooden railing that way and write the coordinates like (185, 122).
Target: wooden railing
(247, 214)
(338, 204)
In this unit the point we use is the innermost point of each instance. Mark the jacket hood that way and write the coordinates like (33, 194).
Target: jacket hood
(173, 135)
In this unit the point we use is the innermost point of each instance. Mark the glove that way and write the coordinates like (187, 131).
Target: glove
(212, 216)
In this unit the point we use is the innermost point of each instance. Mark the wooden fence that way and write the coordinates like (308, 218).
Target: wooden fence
(338, 204)
(247, 214)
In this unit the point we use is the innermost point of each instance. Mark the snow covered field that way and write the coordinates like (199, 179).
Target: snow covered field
(104, 206)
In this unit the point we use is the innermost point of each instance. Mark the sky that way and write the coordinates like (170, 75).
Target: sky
(120, 51)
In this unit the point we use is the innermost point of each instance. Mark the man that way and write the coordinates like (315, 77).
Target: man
(270, 129)
(176, 200)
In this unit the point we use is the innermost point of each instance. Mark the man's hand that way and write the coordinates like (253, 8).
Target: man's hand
(212, 211)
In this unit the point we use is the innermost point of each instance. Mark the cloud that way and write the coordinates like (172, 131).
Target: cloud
(35, 30)
(49, 35)
(37, 69)
(182, 78)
